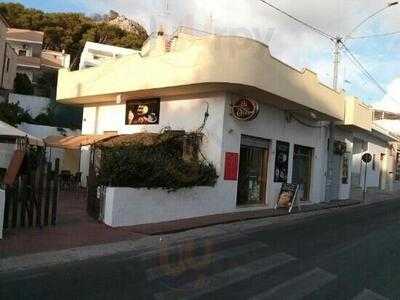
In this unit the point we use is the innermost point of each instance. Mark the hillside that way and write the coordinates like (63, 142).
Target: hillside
(70, 31)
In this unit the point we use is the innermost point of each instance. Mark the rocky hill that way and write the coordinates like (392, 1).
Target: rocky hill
(128, 25)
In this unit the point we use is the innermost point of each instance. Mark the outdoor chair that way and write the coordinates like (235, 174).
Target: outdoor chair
(65, 178)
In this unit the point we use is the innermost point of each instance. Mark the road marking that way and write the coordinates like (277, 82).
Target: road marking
(298, 287)
(369, 295)
(226, 278)
(174, 247)
(201, 261)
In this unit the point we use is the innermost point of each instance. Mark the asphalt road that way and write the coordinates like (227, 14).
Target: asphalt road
(349, 254)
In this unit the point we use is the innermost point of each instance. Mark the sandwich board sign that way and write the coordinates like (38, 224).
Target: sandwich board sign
(288, 196)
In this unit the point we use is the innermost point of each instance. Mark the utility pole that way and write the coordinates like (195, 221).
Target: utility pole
(339, 41)
(336, 63)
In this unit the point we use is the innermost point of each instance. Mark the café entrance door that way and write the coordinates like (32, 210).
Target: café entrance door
(302, 165)
(253, 167)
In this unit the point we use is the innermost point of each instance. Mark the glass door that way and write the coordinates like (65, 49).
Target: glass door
(252, 174)
(302, 163)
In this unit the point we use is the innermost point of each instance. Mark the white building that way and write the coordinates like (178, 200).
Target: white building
(94, 54)
(186, 76)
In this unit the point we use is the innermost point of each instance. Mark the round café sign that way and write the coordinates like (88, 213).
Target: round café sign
(245, 109)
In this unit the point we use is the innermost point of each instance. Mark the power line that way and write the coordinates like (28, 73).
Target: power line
(365, 21)
(374, 35)
(351, 56)
(358, 64)
(365, 72)
(315, 29)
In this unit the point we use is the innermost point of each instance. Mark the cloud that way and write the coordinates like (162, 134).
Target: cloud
(289, 41)
(391, 102)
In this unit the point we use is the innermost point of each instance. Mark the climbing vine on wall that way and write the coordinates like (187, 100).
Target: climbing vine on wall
(155, 161)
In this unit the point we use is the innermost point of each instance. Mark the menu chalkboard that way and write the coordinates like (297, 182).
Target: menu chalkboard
(287, 196)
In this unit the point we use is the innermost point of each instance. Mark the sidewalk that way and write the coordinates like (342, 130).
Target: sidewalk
(75, 229)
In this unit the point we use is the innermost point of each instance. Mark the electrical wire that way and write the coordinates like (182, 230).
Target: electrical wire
(359, 65)
(353, 59)
(365, 21)
(334, 39)
(374, 35)
(313, 28)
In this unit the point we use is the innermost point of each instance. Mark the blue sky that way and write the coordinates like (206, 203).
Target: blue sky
(288, 41)
(57, 5)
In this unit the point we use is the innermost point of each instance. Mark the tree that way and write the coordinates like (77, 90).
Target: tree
(13, 114)
(23, 85)
(47, 84)
(70, 31)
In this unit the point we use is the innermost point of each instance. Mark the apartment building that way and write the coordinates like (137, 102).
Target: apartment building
(8, 62)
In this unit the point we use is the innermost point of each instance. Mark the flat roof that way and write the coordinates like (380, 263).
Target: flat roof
(25, 35)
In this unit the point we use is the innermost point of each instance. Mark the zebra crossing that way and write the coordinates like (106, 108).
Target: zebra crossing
(209, 273)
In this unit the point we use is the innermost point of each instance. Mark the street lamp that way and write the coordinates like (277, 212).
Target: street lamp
(339, 41)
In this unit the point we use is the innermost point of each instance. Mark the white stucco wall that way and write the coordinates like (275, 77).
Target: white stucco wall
(125, 206)
(271, 124)
(2, 204)
(375, 147)
(178, 114)
(33, 104)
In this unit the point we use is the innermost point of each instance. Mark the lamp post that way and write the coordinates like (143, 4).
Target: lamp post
(339, 41)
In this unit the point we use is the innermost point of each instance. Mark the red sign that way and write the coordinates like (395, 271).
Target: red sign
(231, 166)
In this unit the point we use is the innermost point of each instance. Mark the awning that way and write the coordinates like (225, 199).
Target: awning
(75, 142)
(7, 130)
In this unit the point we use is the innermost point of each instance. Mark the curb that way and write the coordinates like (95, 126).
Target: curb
(239, 228)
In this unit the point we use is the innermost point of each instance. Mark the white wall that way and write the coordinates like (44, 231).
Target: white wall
(33, 104)
(6, 153)
(127, 207)
(124, 206)
(2, 204)
(179, 114)
(271, 124)
(376, 147)
(94, 54)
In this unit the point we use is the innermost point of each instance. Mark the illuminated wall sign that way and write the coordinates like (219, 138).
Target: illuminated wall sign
(142, 112)
(245, 109)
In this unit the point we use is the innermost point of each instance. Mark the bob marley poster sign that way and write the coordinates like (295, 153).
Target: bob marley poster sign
(142, 112)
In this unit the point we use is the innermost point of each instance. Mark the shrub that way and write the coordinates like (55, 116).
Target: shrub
(155, 165)
(23, 85)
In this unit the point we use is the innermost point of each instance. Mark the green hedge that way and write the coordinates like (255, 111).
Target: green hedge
(158, 165)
